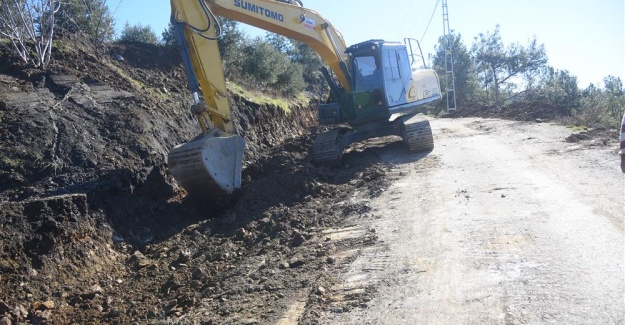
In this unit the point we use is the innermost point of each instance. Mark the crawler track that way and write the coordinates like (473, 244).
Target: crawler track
(417, 134)
(327, 149)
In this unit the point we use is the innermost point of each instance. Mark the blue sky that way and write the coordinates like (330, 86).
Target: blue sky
(583, 36)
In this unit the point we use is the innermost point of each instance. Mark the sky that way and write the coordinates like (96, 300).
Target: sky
(585, 37)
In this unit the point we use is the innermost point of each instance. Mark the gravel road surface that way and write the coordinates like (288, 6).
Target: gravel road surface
(503, 223)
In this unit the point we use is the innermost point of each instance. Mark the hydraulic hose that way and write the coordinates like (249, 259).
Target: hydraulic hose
(210, 16)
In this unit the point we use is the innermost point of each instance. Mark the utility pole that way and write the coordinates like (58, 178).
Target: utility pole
(450, 80)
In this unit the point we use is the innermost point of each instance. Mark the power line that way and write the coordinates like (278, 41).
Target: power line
(408, 12)
(428, 26)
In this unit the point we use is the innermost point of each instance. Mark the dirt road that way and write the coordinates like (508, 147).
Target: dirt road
(503, 223)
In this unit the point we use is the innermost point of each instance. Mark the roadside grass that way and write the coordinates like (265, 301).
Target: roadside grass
(594, 117)
(263, 98)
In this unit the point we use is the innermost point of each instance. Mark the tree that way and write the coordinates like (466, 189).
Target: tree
(279, 42)
(614, 91)
(499, 66)
(168, 37)
(291, 81)
(464, 69)
(138, 33)
(89, 17)
(231, 43)
(29, 24)
(262, 62)
(560, 88)
(302, 54)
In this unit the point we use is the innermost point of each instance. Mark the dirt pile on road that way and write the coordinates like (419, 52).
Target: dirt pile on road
(94, 229)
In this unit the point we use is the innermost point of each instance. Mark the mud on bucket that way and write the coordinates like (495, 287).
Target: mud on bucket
(210, 165)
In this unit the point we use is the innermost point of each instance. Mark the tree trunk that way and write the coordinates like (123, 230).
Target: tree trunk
(496, 85)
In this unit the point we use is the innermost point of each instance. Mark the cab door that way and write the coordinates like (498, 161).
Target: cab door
(393, 81)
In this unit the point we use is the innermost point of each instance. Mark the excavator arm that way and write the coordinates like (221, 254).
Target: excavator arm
(212, 162)
(200, 29)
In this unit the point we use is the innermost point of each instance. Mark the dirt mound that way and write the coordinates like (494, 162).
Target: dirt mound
(94, 229)
(540, 112)
(595, 137)
(519, 111)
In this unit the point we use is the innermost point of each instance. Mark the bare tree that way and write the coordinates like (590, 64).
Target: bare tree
(29, 25)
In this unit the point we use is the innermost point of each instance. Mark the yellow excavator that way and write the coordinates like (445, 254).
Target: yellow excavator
(376, 87)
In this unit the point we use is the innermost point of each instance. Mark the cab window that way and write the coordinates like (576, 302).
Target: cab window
(366, 74)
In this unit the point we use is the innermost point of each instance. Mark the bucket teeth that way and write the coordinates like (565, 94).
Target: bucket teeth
(209, 165)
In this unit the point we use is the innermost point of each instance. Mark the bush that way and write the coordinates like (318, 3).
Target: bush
(138, 33)
(291, 81)
(262, 63)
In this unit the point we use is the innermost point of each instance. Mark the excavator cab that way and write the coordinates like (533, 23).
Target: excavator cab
(386, 93)
(367, 82)
(384, 83)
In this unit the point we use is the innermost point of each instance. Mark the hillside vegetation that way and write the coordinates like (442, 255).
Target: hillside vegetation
(488, 73)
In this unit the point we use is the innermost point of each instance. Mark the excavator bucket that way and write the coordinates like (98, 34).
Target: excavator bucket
(209, 165)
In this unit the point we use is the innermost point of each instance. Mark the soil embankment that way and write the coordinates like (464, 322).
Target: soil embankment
(93, 228)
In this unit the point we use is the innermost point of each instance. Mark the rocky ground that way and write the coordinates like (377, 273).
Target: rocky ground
(93, 229)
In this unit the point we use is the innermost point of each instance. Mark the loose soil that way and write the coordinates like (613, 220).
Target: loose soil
(93, 229)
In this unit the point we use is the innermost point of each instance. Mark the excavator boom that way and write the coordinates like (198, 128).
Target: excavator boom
(211, 164)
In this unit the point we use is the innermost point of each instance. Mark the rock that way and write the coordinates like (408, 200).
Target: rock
(196, 285)
(321, 291)
(199, 273)
(249, 321)
(113, 313)
(41, 316)
(5, 321)
(297, 240)
(20, 311)
(184, 256)
(171, 284)
(138, 260)
(93, 292)
(43, 305)
(295, 263)
(330, 260)
(242, 233)
(96, 289)
(4, 308)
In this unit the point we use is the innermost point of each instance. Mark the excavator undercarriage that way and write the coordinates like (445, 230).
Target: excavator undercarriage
(414, 129)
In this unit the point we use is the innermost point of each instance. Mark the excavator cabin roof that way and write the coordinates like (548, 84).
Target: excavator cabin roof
(366, 46)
